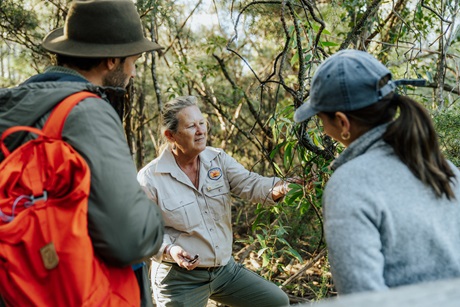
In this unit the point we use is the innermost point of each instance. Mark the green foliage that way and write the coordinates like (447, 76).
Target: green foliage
(214, 43)
(290, 231)
(250, 71)
(15, 15)
(447, 124)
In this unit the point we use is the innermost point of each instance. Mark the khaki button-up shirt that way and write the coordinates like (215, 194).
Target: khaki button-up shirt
(199, 220)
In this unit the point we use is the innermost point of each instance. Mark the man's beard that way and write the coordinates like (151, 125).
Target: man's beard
(115, 85)
(116, 78)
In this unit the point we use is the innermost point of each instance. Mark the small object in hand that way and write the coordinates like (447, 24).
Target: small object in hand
(194, 259)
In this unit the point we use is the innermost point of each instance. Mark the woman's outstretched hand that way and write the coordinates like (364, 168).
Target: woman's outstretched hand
(281, 188)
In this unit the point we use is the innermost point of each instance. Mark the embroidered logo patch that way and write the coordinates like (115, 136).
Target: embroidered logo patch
(215, 173)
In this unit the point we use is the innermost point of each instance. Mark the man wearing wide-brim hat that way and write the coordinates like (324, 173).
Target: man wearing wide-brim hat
(96, 51)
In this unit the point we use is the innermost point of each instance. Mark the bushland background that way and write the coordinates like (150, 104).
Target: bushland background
(250, 63)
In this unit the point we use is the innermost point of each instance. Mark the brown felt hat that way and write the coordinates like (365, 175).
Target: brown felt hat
(100, 29)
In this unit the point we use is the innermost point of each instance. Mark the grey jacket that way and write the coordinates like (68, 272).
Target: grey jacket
(384, 227)
(124, 225)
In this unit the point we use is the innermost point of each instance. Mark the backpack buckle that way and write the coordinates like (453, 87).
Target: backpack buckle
(34, 199)
(30, 201)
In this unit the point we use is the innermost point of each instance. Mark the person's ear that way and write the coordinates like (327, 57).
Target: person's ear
(344, 125)
(343, 121)
(169, 136)
(111, 63)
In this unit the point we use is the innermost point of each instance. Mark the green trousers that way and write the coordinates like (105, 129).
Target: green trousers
(232, 285)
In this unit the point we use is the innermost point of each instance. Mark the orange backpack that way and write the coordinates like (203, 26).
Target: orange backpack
(46, 255)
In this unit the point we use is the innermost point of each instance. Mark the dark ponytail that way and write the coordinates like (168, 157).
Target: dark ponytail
(414, 140)
(412, 137)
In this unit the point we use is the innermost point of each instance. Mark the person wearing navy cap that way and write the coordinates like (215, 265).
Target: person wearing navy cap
(391, 207)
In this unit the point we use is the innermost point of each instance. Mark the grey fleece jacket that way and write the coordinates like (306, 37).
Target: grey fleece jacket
(384, 227)
(124, 225)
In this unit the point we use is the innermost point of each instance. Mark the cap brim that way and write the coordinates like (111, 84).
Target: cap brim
(305, 112)
(56, 42)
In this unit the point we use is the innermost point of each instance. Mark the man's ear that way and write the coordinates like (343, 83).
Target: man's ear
(111, 63)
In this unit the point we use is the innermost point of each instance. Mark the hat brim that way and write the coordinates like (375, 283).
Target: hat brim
(57, 42)
(304, 112)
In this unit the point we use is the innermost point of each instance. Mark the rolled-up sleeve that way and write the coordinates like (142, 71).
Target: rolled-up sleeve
(248, 185)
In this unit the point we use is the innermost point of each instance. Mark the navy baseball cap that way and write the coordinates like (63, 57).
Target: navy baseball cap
(347, 81)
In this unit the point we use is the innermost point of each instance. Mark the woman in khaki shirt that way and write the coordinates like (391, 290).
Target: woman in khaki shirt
(192, 185)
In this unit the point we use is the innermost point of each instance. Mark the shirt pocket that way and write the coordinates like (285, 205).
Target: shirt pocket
(181, 213)
(219, 200)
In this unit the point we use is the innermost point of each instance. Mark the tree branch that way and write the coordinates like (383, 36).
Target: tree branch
(208, 98)
(357, 30)
(253, 111)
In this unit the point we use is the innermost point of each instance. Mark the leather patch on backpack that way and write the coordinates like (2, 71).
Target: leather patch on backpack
(49, 256)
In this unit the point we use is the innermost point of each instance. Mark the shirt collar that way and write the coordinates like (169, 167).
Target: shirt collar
(167, 163)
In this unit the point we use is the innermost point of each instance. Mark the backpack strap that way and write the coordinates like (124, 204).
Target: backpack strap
(6, 152)
(55, 123)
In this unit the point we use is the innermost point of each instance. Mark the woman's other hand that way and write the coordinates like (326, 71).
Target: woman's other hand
(183, 258)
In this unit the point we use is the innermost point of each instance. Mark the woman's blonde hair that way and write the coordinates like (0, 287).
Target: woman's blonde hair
(169, 120)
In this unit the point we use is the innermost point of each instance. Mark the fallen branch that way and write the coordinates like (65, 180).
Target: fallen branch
(304, 268)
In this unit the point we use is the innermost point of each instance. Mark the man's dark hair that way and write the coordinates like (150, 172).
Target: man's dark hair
(85, 64)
